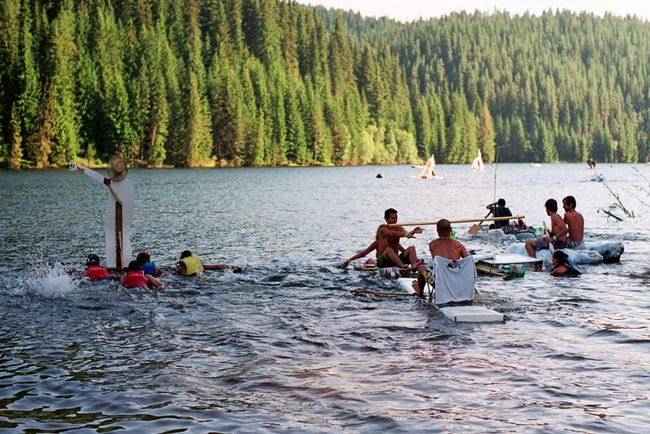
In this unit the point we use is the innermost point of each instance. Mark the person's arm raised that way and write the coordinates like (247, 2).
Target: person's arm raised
(412, 232)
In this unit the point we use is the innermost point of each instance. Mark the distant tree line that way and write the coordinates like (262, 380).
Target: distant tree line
(265, 82)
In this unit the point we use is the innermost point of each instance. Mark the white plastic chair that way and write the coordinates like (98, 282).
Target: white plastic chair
(454, 280)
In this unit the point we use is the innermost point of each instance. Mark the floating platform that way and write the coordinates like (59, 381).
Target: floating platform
(469, 314)
(510, 259)
(472, 314)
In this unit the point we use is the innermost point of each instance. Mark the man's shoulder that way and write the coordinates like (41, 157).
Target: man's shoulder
(387, 230)
(573, 215)
(460, 245)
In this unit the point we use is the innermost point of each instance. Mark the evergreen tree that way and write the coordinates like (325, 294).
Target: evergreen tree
(628, 152)
(462, 140)
(9, 53)
(198, 126)
(46, 130)
(155, 109)
(486, 134)
(423, 127)
(16, 141)
(65, 144)
(88, 92)
(30, 90)
(296, 139)
(603, 145)
(116, 120)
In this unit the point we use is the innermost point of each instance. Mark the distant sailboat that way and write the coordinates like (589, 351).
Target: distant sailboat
(428, 171)
(477, 164)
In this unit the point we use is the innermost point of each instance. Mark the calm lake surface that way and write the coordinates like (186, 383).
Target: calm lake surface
(285, 346)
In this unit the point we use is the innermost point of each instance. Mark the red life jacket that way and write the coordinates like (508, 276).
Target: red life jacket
(135, 279)
(97, 272)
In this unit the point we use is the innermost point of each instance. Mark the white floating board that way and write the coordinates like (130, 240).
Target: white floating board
(510, 258)
(475, 314)
(405, 285)
(472, 314)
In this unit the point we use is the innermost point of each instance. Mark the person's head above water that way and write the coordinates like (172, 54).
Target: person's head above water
(92, 260)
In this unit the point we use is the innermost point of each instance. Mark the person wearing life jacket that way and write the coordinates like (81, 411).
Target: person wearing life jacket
(93, 270)
(136, 278)
(148, 266)
(190, 264)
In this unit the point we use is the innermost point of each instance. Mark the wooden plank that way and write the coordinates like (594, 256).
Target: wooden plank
(119, 239)
(489, 270)
(364, 267)
(387, 293)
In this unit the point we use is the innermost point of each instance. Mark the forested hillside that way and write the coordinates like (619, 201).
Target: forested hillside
(264, 82)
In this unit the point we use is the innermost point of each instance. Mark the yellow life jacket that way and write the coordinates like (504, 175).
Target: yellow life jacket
(192, 265)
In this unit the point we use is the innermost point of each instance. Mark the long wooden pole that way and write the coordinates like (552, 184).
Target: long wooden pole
(119, 263)
(513, 217)
(390, 294)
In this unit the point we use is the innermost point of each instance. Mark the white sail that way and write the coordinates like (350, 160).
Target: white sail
(428, 172)
(477, 164)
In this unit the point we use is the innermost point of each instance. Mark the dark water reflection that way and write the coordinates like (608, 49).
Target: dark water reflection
(284, 346)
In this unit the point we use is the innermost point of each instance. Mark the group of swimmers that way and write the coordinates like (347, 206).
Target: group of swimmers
(143, 272)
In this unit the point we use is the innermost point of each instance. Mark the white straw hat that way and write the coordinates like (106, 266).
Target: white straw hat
(116, 169)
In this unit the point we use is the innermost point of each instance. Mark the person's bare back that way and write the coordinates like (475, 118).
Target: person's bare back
(576, 224)
(574, 220)
(447, 248)
(558, 227)
(443, 246)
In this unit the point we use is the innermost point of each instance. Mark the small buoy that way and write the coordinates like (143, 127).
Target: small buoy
(379, 175)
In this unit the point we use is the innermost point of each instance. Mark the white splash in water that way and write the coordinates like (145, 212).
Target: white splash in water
(50, 282)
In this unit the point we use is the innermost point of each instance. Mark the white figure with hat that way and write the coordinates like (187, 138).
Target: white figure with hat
(120, 206)
(117, 172)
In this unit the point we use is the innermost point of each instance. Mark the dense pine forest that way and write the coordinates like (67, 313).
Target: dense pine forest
(266, 83)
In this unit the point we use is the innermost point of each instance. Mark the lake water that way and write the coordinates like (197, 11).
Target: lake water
(285, 346)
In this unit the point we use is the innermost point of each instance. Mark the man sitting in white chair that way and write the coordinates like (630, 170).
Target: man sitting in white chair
(455, 276)
(454, 280)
